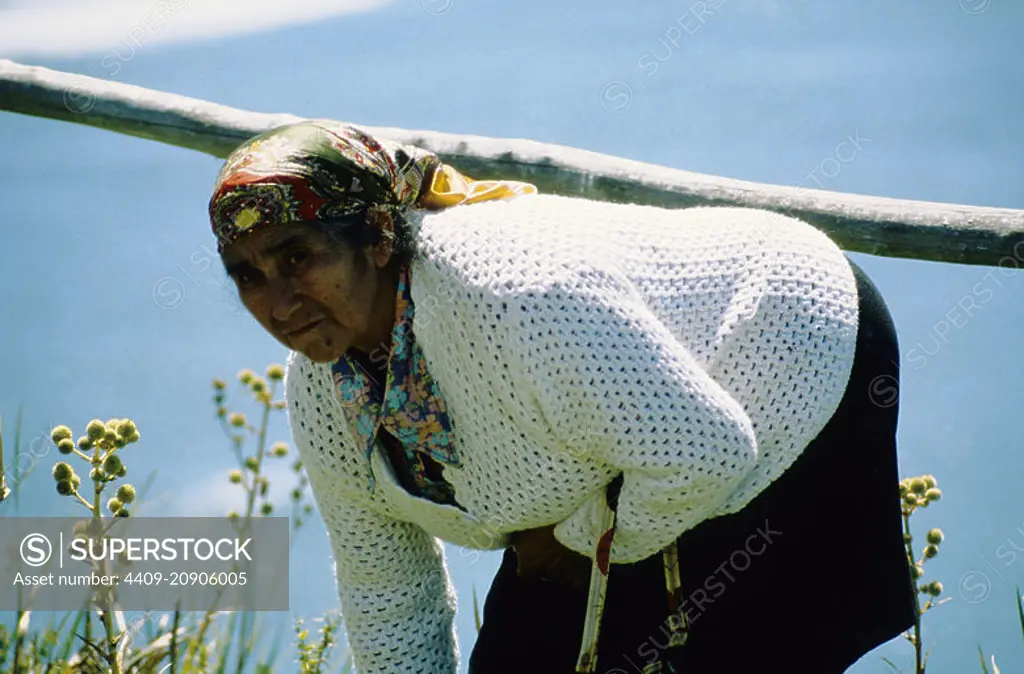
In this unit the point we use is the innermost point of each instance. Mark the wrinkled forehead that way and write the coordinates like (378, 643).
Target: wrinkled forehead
(265, 242)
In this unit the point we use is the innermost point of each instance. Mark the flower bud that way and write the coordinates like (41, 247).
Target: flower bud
(252, 464)
(929, 481)
(75, 480)
(97, 475)
(935, 588)
(233, 515)
(113, 505)
(221, 412)
(109, 438)
(219, 384)
(60, 433)
(296, 494)
(124, 512)
(308, 509)
(275, 372)
(66, 446)
(246, 376)
(916, 571)
(935, 536)
(237, 420)
(235, 476)
(126, 493)
(911, 499)
(95, 430)
(122, 471)
(62, 471)
(259, 385)
(127, 428)
(65, 487)
(279, 449)
(84, 443)
(112, 464)
(933, 494)
(267, 509)
(931, 551)
(918, 486)
(904, 488)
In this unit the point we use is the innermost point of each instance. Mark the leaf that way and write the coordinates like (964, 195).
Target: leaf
(891, 664)
(981, 657)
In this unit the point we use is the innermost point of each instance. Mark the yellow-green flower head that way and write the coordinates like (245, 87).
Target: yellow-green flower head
(112, 464)
(904, 488)
(935, 536)
(84, 443)
(219, 384)
(127, 429)
(933, 494)
(275, 372)
(237, 420)
(918, 486)
(126, 493)
(124, 512)
(929, 481)
(75, 480)
(122, 471)
(65, 487)
(66, 446)
(109, 438)
(931, 551)
(60, 433)
(935, 588)
(62, 471)
(267, 509)
(95, 430)
(916, 571)
(296, 494)
(113, 505)
(251, 463)
(246, 376)
(279, 449)
(910, 499)
(97, 475)
(235, 476)
(259, 385)
(233, 515)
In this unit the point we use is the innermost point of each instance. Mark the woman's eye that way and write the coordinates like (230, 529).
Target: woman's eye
(246, 279)
(297, 257)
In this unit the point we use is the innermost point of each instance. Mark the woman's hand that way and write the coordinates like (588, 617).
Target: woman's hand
(541, 557)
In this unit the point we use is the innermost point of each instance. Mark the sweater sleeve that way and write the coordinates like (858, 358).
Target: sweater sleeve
(617, 387)
(397, 600)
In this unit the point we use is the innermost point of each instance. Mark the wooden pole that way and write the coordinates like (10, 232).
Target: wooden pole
(874, 225)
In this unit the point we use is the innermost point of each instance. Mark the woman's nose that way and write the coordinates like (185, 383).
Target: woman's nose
(284, 301)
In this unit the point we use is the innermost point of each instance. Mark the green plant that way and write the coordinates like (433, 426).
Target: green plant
(177, 642)
(916, 493)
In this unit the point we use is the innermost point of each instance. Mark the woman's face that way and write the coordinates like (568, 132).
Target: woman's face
(312, 294)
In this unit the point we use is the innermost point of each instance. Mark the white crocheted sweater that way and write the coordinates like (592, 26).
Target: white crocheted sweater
(696, 351)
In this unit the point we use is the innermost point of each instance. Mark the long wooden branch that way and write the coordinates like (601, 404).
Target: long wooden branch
(875, 225)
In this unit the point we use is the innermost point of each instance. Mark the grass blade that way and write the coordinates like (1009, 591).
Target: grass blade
(1020, 612)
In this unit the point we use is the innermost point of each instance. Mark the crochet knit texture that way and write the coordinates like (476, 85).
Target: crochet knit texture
(696, 351)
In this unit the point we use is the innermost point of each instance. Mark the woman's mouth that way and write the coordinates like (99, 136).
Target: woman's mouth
(304, 330)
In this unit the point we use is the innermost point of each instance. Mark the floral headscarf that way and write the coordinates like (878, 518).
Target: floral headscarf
(330, 171)
(313, 170)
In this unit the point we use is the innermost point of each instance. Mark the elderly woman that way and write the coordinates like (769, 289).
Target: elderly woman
(478, 363)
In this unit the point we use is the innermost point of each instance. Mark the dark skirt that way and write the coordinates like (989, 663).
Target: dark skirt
(808, 577)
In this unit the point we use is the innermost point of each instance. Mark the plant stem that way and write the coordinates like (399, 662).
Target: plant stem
(908, 539)
(260, 448)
